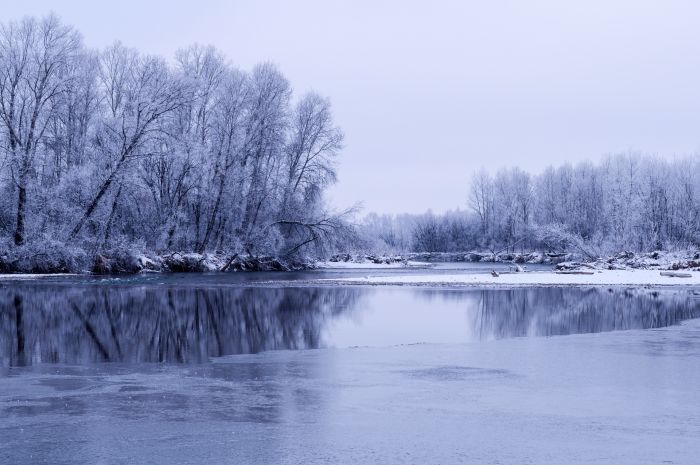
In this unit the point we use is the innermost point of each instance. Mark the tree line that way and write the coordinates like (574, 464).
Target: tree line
(625, 202)
(114, 148)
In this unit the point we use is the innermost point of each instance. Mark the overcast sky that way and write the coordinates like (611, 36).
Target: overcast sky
(428, 92)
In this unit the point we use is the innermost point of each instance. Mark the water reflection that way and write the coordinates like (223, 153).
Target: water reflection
(155, 324)
(152, 323)
(553, 311)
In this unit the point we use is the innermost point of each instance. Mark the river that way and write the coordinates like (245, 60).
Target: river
(252, 368)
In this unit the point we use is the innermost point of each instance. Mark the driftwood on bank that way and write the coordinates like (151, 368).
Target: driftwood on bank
(675, 274)
(574, 272)
(229, 262)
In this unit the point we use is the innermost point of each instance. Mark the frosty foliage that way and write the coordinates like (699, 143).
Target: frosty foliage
(625, 202)
(113, 149)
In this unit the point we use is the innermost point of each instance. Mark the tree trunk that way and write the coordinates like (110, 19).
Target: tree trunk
(95, 202)
(21, 207)
(210, 223)
(171, 235)
(110, 221)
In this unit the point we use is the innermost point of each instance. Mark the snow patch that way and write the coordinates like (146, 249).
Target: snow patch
(535, 278)
(18, 276)
(370, 265)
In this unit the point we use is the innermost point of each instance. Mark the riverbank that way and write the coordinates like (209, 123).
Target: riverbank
(562, 261)
(546, 258)
(534, 278)
(126, 262)
(64, 261)
(658, 260)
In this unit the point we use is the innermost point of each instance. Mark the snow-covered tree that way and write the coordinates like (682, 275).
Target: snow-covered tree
(114, 148)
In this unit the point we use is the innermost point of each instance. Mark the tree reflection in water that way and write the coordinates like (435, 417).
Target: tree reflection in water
(188, 324)
(551, 311)
(40, 324)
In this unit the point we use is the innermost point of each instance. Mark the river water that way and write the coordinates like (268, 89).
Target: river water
(233, 368)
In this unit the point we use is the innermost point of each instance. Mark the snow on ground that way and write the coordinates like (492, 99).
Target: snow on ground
(370, 265)
(599, 278)
(17, 276)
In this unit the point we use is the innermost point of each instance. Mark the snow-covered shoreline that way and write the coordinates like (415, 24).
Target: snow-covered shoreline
(20, 276)
(535, 278)
(370, 265)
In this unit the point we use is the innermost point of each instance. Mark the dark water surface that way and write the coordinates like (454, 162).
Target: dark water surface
(205, 369)
(135, 321)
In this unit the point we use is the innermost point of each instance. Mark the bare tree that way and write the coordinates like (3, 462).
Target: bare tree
(228, 133)
(481, 198)
(265, 133)
(313, 146)
(118, 149)
(139, 92)
(35, 56)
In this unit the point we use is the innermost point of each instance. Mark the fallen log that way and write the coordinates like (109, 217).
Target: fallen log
(675, 274)
(574, 272)
(229, 262)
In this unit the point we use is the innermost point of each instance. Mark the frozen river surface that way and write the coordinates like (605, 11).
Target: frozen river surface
(176, 371)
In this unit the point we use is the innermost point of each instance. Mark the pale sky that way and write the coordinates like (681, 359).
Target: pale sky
(428, 92)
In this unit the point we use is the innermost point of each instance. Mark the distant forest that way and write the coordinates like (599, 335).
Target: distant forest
(114, 149)
(627, 202)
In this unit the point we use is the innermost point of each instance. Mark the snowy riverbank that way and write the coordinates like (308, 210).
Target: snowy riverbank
(62, 261)
(371, 265)
(127, 262)
(686, 260)
(657, 260)
(535, 278)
